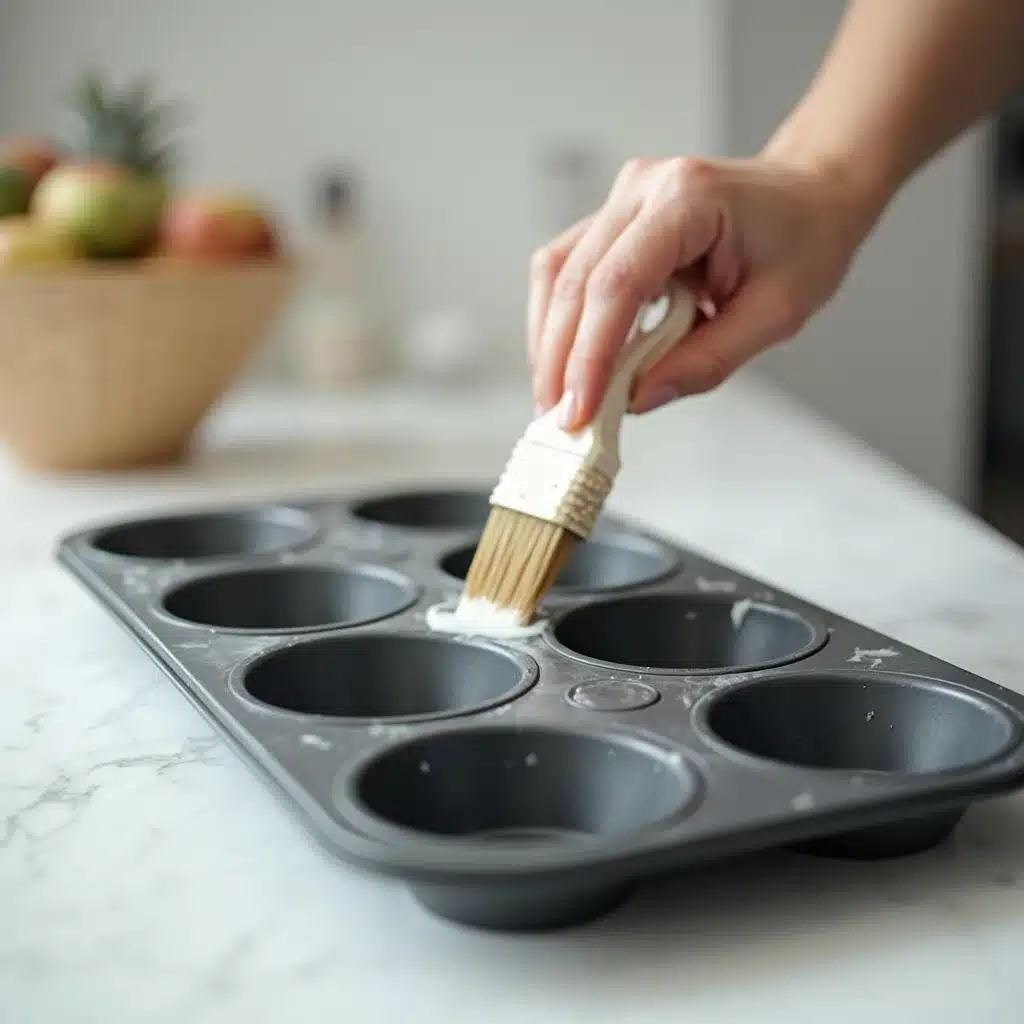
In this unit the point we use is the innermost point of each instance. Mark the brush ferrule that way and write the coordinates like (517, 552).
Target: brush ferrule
(552, 484)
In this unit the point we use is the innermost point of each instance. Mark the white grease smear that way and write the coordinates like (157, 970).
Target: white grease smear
(736, 677)
(740, 610)
(482, 612)
(531, 760)
(873, 659)
(309, 739)
(480, 617)
(802, 802)
(706, 586)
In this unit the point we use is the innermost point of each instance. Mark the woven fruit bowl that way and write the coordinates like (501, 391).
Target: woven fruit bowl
(113, 366)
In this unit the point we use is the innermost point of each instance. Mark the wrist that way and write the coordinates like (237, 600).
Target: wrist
(859, 180)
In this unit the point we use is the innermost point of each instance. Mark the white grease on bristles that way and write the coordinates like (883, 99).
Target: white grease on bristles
(517, 561)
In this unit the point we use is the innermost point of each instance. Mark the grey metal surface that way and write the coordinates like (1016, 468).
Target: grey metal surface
(673, 711)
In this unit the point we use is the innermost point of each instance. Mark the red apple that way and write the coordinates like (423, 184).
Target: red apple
(217, 227)
(34, 157)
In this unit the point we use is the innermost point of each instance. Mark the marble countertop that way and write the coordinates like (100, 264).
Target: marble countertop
(146, 876)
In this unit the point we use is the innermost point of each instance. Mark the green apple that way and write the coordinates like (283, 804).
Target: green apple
(108, 211)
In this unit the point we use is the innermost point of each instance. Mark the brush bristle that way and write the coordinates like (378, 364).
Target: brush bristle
(516, 563)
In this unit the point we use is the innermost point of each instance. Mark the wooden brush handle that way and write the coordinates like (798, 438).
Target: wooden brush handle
(659, 326)
(564, 477)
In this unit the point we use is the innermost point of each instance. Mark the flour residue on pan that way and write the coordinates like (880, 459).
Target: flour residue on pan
(802, 801)
(310, 739)
(740, 610)
(871, 658)
(479, 617)
(706, 586)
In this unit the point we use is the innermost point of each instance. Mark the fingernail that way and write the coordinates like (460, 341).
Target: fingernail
(538, 411)
(707, 306)
(654, 399)
(567, 410)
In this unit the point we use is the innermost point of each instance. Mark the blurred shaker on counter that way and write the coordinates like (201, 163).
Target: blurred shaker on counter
(442, 347)
(334, 340)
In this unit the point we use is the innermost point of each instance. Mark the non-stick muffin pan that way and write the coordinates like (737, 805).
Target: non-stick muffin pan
(668, 709)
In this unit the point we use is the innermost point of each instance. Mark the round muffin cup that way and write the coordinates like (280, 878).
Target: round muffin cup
(390, 677)
(427, 510)
(606, 562)
(861, 725)
(686, 634)
(290, 599)
(208, 536)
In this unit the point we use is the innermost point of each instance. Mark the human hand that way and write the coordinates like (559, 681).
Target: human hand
(763, 243)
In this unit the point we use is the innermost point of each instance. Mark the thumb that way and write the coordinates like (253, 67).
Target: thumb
(762, 313)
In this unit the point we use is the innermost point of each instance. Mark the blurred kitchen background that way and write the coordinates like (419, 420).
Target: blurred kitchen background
(434, 145)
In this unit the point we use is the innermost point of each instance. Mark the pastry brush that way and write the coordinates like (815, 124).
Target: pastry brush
(556, 481)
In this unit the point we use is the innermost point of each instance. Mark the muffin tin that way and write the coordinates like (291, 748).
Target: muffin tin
(671, 710)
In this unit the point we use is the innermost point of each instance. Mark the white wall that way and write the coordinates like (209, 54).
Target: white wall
(892, 358)
(445, 106)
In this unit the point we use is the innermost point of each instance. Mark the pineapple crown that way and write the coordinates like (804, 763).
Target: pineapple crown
(125, 127)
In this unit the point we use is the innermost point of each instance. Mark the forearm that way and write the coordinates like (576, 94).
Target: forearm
(901, 80)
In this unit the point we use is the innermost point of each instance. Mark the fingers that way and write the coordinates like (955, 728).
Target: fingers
(568, 294)
(588, 285)
(635, 266)
(679, 225)
(763, 313)
(724, 272)
(545, 266)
